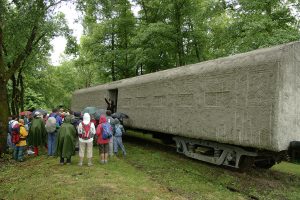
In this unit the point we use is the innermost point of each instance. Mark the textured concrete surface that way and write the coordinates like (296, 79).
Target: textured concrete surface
(249, 99)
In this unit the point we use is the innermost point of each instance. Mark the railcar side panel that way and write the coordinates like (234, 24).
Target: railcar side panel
(249, 99)
(233, 108)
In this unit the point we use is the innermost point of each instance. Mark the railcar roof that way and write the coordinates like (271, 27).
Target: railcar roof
(264, 55)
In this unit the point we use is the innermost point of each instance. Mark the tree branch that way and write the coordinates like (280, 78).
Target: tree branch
(38, 39)
(55, 3)
(22, 56)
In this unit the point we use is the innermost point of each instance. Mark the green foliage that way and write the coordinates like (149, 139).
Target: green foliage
(259, 24)
(117, 44)
(108, 41)
(54, 84)
(34, 100)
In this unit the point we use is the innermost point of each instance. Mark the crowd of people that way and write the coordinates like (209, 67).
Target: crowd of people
(61, 132)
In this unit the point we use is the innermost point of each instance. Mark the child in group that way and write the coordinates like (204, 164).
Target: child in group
(119, 131)
(20, 146)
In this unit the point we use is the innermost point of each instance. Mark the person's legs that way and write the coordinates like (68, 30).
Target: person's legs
(49, 144)
(120, 144)
(54, 143)
(90, 153)
(102, 158)
(106, 149)
(62, 160)
(115, 145)
(105, 157)
(101, 153)
(9, 143)
(15, 153)
(69, 160)
(36, 151)
(20, 154)
(81, 152)
(111, 146)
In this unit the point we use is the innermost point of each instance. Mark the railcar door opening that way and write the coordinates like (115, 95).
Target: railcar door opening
(113, 95)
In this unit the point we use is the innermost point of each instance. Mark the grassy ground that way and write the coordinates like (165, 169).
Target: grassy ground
(148, 172)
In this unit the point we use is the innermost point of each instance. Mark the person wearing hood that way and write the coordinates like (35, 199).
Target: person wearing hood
(12, 122)
(51, 130)
(37, 132)
(20, 146)
(57, 116)
(86, 132)
(110, 120)
(119, 131)
(103, 143)
(65, 143)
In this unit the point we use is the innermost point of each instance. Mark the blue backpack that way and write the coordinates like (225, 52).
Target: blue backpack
(106, 131)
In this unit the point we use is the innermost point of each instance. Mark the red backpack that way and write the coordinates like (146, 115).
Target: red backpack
(86, 131)
(15, 135)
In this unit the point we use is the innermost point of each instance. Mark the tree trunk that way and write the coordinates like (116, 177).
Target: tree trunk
(4, 115)
(22, 93)
(113, 74)
(13, 95)
(195, 41)
(179, 37)
(139, 70)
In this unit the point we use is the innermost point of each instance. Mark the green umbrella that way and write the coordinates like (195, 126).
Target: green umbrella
(90, 110)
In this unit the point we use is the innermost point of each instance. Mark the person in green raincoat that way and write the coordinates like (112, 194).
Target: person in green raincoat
(65, 143)
(37, 132)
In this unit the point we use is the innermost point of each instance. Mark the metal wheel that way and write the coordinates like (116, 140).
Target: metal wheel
(265, 164)
(246, 163)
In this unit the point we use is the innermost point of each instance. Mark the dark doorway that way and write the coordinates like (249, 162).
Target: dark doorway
(113, 95)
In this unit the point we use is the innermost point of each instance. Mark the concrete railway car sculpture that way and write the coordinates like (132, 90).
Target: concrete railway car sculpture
(235, 111)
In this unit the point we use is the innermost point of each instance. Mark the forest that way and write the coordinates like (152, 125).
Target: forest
(118, 44)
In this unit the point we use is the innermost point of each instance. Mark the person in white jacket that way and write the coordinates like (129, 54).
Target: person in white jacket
(86, 132)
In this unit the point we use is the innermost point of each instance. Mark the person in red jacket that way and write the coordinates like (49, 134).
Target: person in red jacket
(103, 143)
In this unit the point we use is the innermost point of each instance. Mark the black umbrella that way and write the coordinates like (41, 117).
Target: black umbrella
(119, 115)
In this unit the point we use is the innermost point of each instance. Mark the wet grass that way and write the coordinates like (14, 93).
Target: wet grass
(149, 172)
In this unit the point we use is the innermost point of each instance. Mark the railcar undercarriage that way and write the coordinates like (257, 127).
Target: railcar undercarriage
(224, 154)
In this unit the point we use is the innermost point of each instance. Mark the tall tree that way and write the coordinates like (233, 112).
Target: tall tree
(24, 26)
(261, 23)
(109, 28)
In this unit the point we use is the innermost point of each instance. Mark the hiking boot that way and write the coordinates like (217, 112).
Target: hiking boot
(62, 160)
